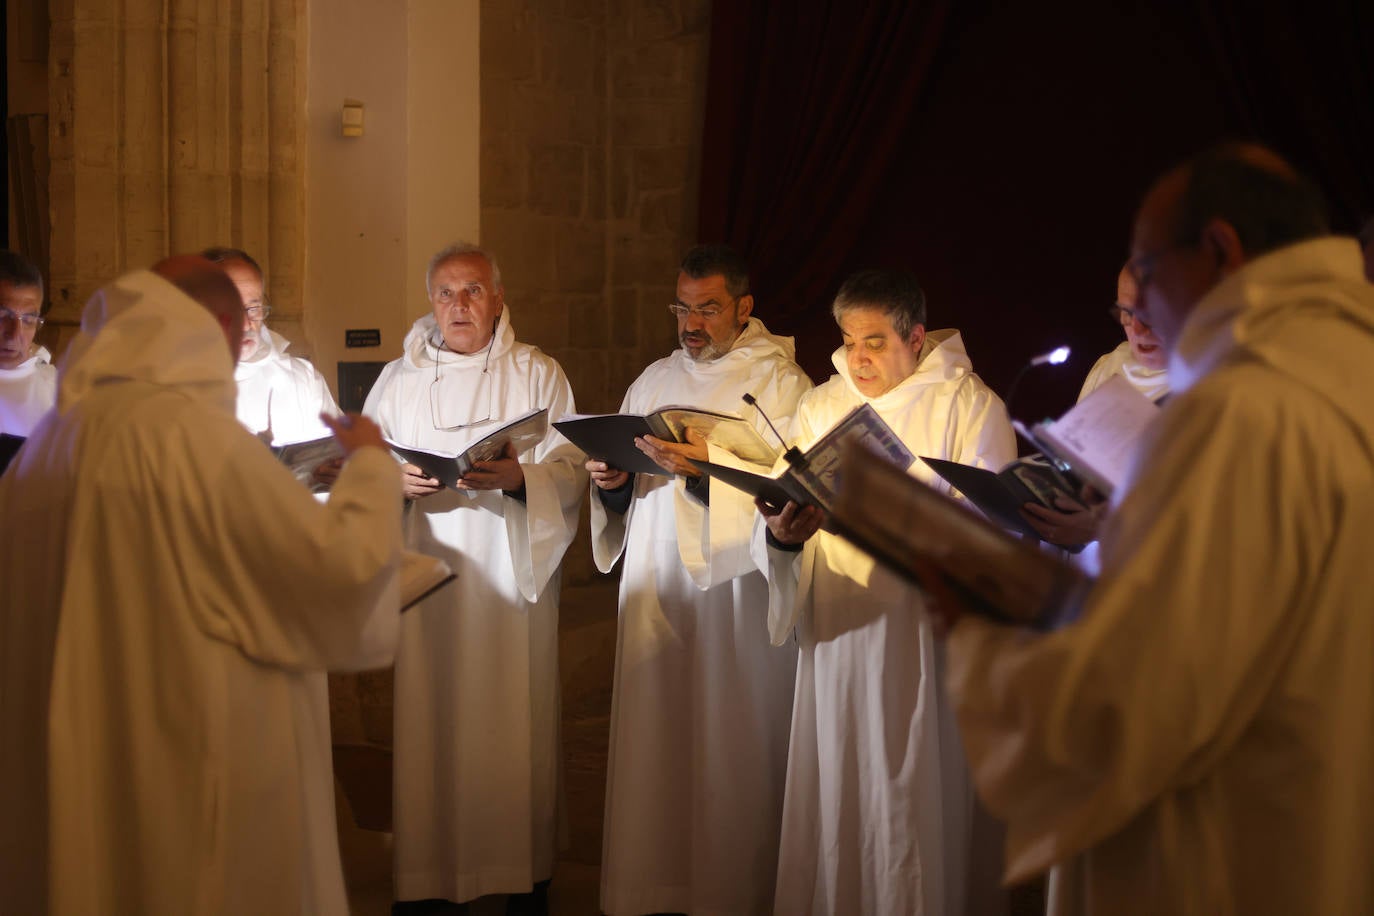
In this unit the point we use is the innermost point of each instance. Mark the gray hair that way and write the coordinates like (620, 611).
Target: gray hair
(461, 250)
(894, 293)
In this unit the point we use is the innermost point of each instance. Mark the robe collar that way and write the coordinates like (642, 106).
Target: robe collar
(421, 349)
(943, 359)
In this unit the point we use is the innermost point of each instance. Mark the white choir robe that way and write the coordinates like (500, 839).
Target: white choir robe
(880, 815)
(281, 393)
(701, 703)
(27, 392)
(181, 594)
(1153, 383)
(476, 715)
(1198, 742)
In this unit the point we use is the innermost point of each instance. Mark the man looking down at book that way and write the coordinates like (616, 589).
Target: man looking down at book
(28, 382)
(880, 815)
(280, 397)
(1198, 740)
(476, 713)
(699, 716)
(164, 621)
(1140, 360)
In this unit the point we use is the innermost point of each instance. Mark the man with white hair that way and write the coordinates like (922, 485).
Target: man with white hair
(165, 619)
(476, 717)
(28, 382)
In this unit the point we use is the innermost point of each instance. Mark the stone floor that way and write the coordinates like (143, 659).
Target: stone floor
(587, 632)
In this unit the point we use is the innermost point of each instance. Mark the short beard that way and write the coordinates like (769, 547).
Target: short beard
(712, 350)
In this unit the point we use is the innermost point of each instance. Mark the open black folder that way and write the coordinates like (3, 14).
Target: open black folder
(9, 447)
(524, 432)
(611, 437)
(904, 523)
(1001, 494)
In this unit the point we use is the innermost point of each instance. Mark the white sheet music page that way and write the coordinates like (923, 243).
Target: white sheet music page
(1099, 435)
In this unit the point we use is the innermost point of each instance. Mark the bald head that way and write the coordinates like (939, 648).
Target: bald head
(207, 283)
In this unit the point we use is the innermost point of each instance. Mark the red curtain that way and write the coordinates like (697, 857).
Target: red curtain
(999, 151)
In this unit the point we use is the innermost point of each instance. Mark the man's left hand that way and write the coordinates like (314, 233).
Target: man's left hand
(676, 457)
(504, 473)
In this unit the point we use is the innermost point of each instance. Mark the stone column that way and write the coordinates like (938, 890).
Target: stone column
(175, 125)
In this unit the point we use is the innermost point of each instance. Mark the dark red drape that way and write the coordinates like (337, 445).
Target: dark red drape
(998, 151)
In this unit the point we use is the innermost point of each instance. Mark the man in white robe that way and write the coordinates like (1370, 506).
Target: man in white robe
(1142, 361)
(280, 396)
(28, 382)
(1198, 741)
(880, 815)
(701, 701)
(173, 596)
(1140, 358)
(476, 716)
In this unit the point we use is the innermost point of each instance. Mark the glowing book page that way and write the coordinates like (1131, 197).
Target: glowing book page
(1098, 437)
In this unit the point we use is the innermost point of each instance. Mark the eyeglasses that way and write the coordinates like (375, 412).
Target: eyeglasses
(1126, 316)
(705, 312)
(257, 312)
(480, 394)
(28, 319)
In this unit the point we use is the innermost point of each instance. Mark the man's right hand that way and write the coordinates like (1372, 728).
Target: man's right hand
(605, 476)
(415, 483)
(792, 524)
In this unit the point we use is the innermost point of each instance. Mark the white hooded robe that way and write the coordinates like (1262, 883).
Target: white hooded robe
(164, 620)
(879, 810)
(476, 717)
(1200, 741)
(701, 701)
(27, 392)
(281, 393)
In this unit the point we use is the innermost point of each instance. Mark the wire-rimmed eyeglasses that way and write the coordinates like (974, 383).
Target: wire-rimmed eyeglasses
(257, 312)
(31, 320)
(481, 393)
(705, 312)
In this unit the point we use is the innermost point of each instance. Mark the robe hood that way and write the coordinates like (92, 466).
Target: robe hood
(420, 350)
(142, 328)
(943, 359)
(753, 344)
(1314, 290)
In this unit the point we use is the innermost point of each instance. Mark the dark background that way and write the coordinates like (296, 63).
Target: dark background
(998, 151)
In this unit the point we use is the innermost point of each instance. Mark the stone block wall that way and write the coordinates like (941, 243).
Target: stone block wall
(174, 126)
(591, 120)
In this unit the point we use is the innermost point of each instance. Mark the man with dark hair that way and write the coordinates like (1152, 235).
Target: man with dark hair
(699, 716)
(166, 616)
(1199, 740)
(28, 382)
(880, 814)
